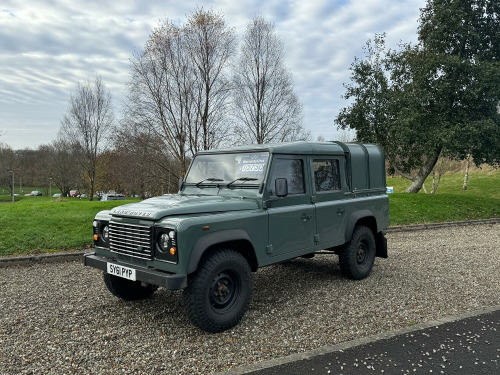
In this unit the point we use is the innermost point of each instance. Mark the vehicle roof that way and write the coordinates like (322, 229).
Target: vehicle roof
(299, 147)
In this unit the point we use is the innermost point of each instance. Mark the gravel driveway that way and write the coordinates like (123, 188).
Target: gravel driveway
(59, 318)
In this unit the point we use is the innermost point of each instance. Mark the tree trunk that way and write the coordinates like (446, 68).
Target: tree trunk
(466, 178)
(417, 182)
(435, 181)
(423, 172)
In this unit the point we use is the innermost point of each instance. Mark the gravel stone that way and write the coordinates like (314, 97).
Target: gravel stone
(58, 318)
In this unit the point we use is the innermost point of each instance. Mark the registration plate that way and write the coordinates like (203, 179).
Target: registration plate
(125, 272)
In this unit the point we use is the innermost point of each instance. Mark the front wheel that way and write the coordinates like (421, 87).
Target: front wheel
(218, 294)
(357, 256)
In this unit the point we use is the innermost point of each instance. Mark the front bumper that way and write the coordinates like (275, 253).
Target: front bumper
(149, 276)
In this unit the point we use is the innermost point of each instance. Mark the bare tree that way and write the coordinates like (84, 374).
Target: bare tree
(7, 167)
(265, 104)
(467, 167)
(143, 164)
(64, 165)
(210, 43)
(87, 124)
(178, 91)
(161, 95)
(443, 166)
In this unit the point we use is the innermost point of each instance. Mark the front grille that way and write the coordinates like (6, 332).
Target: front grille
(130, 239)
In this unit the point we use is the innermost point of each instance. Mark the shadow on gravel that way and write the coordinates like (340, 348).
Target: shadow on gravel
(274, 286)
(285, 295)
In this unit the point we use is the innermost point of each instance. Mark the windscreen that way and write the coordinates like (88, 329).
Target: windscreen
(238, 169)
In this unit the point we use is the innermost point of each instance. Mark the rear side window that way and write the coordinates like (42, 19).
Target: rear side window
(293, 171)
(326, 175)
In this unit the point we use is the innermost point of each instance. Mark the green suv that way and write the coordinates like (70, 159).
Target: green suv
(240, 209)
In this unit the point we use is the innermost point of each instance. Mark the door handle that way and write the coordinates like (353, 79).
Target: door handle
(305, 217)
(340, 211)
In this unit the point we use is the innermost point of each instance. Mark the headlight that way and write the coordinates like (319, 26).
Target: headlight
(105, 233)
(101, 233)
(166, 245)
(164, 242)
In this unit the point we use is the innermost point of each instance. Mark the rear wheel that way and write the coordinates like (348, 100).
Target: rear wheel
(127, 290)
(357, 256)
(218, 294)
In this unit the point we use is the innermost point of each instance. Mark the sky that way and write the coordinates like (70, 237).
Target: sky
(47, 47)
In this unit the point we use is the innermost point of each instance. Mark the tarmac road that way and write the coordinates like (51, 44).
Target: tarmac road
(469, 346)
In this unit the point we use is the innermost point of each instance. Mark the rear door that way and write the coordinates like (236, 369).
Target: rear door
(331, 205)
(291, 218)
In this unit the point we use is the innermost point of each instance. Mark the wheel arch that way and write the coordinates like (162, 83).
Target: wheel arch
(362, 217)
(366, 218)
(234, 239)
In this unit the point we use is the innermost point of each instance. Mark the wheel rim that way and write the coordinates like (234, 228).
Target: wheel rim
(223, 291)
(361, 252)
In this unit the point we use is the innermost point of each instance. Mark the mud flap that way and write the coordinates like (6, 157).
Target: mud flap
(381, 243)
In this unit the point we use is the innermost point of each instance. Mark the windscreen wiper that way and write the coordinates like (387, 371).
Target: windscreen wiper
(208, 179)
(242, 179)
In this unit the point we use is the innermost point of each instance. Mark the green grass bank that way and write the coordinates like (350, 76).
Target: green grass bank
(41, 224)
(481, 200)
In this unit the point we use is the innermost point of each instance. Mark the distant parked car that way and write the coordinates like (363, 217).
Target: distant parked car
(36, 193)
(83, 195)
(74, 193)
(112, 196)
(57, 195)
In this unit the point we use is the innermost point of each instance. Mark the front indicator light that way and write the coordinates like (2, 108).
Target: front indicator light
(96, 237)
(173, 251)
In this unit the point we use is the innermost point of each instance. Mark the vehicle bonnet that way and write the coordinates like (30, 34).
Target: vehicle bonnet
(168, 205)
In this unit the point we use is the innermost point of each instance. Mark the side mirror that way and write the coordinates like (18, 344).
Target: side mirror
(181, 183)
(281, 187)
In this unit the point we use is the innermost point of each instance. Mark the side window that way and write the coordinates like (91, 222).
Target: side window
(293, 171)
(326, 174)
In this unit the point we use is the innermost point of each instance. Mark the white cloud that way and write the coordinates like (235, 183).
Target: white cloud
(322, 41)
(46, 47)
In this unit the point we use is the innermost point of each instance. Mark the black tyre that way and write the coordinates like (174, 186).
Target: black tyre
(218, 293)
(127, 290)
(357, 256)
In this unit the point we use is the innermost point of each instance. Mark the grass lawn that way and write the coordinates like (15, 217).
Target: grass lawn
(42, 224)
(419, 208)
(481, 200)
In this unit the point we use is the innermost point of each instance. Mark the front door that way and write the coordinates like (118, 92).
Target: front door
(291, 218)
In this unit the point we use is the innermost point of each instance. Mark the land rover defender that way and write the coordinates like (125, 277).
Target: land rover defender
(240, 209)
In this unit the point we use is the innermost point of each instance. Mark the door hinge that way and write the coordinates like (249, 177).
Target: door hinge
(313, 199)
(316, 238)
(269, 249)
